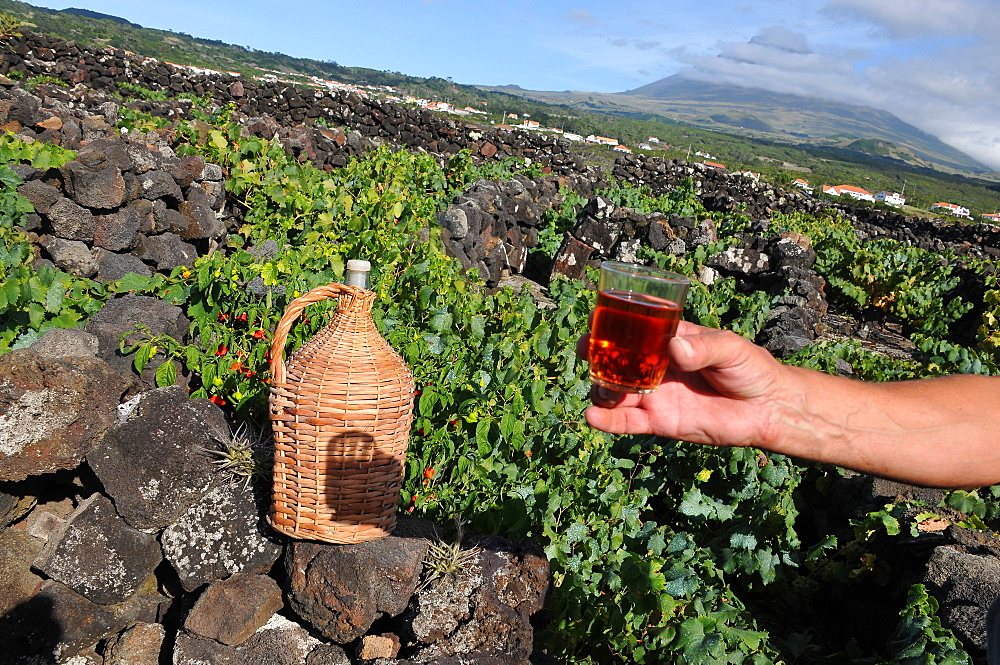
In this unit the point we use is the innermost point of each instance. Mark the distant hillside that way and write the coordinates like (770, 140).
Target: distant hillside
(772, 116)
(92, 14)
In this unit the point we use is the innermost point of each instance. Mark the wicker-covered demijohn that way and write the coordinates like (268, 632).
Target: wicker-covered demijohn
(341, 409)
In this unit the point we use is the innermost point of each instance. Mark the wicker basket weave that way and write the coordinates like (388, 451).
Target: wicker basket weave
(341, 411)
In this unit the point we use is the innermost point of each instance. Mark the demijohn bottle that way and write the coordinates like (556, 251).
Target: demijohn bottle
(341, 409)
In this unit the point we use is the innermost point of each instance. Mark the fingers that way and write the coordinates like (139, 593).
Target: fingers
(619, 420)
(608, 398)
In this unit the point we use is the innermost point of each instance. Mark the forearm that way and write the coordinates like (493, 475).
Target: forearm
(936, 432)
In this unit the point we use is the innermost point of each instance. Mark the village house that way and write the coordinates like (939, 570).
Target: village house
(748, 174)
(621, 148)
(714, 165)
(991, 217)
(890, 198)
(952, 209)
(444, 107)
(652, 139)
(603, 140)
(803, 185)
(855, 193)
(645, 146)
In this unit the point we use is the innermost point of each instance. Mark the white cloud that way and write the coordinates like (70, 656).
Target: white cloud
(948, 86)
(580, 16)
(784, 39)
(908, 19)
(767, 62)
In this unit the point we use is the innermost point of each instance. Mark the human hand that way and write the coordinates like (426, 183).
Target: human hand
(719, 389)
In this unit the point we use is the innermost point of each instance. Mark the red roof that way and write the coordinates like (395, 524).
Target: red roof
(851, 188)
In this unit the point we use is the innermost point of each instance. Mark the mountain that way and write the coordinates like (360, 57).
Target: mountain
(772, 116)
(98, 15)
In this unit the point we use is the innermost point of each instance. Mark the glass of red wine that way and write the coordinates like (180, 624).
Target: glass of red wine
(638, 309)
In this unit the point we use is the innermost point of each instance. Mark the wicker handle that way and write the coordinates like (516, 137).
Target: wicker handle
(319, 294)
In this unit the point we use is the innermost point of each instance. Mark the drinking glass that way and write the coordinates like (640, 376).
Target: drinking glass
(638, 309)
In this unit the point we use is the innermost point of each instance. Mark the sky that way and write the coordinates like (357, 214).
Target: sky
(933, 63)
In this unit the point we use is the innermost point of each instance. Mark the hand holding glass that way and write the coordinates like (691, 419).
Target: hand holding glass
(638, 309)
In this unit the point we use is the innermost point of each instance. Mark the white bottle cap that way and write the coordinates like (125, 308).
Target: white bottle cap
(358, 265)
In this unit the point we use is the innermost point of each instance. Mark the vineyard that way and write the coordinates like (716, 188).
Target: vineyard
(660, 550)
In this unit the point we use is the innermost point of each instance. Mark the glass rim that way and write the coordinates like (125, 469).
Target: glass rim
(638, 270)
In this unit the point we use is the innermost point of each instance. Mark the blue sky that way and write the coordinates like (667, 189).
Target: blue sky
(933, 63)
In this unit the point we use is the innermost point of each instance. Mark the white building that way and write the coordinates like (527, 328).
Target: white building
(890, 198)
(951, 209)
(855, 193)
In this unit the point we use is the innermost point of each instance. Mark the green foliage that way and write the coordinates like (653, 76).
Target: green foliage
(33, 301)
(557, 221)
(130, 119)
(45, 79)
(203, 101)
(681, 200)
(920, 639)
(36, 154)
(140, 92)
(910, 284)
(9, 26)
(865, 364)
(618, 584)
(463, 171)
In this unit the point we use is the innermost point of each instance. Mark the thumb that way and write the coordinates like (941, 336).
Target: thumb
(711, 348)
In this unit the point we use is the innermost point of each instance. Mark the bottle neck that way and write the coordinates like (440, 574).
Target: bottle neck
(357, 273)
(357, 278)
